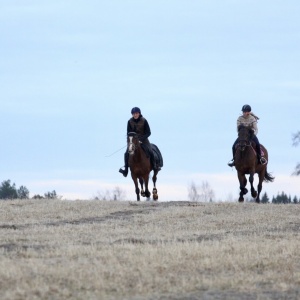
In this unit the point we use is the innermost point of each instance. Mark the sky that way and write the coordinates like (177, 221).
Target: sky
(70, 72)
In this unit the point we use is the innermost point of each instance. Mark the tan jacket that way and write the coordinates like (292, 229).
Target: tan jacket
(250, 121)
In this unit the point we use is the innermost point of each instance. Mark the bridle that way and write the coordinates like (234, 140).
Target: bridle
(242, 144)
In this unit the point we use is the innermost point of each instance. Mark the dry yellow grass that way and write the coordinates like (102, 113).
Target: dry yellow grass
(129, 250)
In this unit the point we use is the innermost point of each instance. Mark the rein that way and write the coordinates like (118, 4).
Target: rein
(247, 144)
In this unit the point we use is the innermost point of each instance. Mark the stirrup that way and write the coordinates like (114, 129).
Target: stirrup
(263, 161)
(232, 163)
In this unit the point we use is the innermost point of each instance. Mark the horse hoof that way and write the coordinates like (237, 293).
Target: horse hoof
(257, 201)
(241, 199)
(155, 197)
(254, 194)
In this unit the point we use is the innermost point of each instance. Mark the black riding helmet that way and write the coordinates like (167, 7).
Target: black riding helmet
(246, 108)
(135, 110)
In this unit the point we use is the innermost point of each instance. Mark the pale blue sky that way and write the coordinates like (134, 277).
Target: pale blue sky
(72, 70)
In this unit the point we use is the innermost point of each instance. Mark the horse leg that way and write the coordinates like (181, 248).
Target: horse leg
(243, 182)
(154, 191)
(147, 192)
(251, 180)
(142, 186)
(137, 190)
(261, 177)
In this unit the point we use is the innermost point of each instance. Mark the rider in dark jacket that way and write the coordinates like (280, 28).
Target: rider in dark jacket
(139, 125)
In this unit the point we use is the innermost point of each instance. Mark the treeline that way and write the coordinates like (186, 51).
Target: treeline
(9, 191)
(282, 198)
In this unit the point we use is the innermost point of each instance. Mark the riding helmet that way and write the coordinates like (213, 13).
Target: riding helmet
(135, 110)
(246, 108)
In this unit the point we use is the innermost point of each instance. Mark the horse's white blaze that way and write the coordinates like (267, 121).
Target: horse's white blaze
(131, 145)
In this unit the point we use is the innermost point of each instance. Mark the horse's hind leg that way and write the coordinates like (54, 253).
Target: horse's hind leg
(253, 191)
(261, 176)
(154, 191)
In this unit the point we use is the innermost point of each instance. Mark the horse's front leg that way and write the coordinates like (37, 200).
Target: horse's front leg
(154, 191)
(137, 190)
(243, 183)
(142, 186)
(251, 180)
(146, 180)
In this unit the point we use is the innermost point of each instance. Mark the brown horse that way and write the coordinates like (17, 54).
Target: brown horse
(140, 167)
(246, 162)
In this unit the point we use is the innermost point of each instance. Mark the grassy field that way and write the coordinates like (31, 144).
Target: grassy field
(166, 250)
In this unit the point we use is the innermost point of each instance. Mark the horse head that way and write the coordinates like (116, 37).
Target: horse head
(132, 142)
(245, 135)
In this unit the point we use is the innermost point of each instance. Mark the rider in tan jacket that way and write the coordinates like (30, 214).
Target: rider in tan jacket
(248, 119)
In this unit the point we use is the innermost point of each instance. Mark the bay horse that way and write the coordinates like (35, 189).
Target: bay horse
(246, 162)
(140, 167)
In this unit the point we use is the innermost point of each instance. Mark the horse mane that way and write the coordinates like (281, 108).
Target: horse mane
(241, 126)
(250, 131)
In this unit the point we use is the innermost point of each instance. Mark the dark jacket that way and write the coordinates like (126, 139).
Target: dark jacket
(141, 127)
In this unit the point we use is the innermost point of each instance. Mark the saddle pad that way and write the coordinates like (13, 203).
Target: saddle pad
(157, 155)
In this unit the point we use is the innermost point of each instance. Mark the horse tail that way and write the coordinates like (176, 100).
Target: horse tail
(268, 177)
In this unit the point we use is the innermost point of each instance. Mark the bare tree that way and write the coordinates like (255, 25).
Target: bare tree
(207, 194)
(111, 195)
(193, 192)
(296, 141)
(118, 193)
(203, 193)
(229, 198)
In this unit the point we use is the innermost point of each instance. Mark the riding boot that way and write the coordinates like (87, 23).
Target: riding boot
(232, 163)
(125, 171)
(261, 160)
(258, 153)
